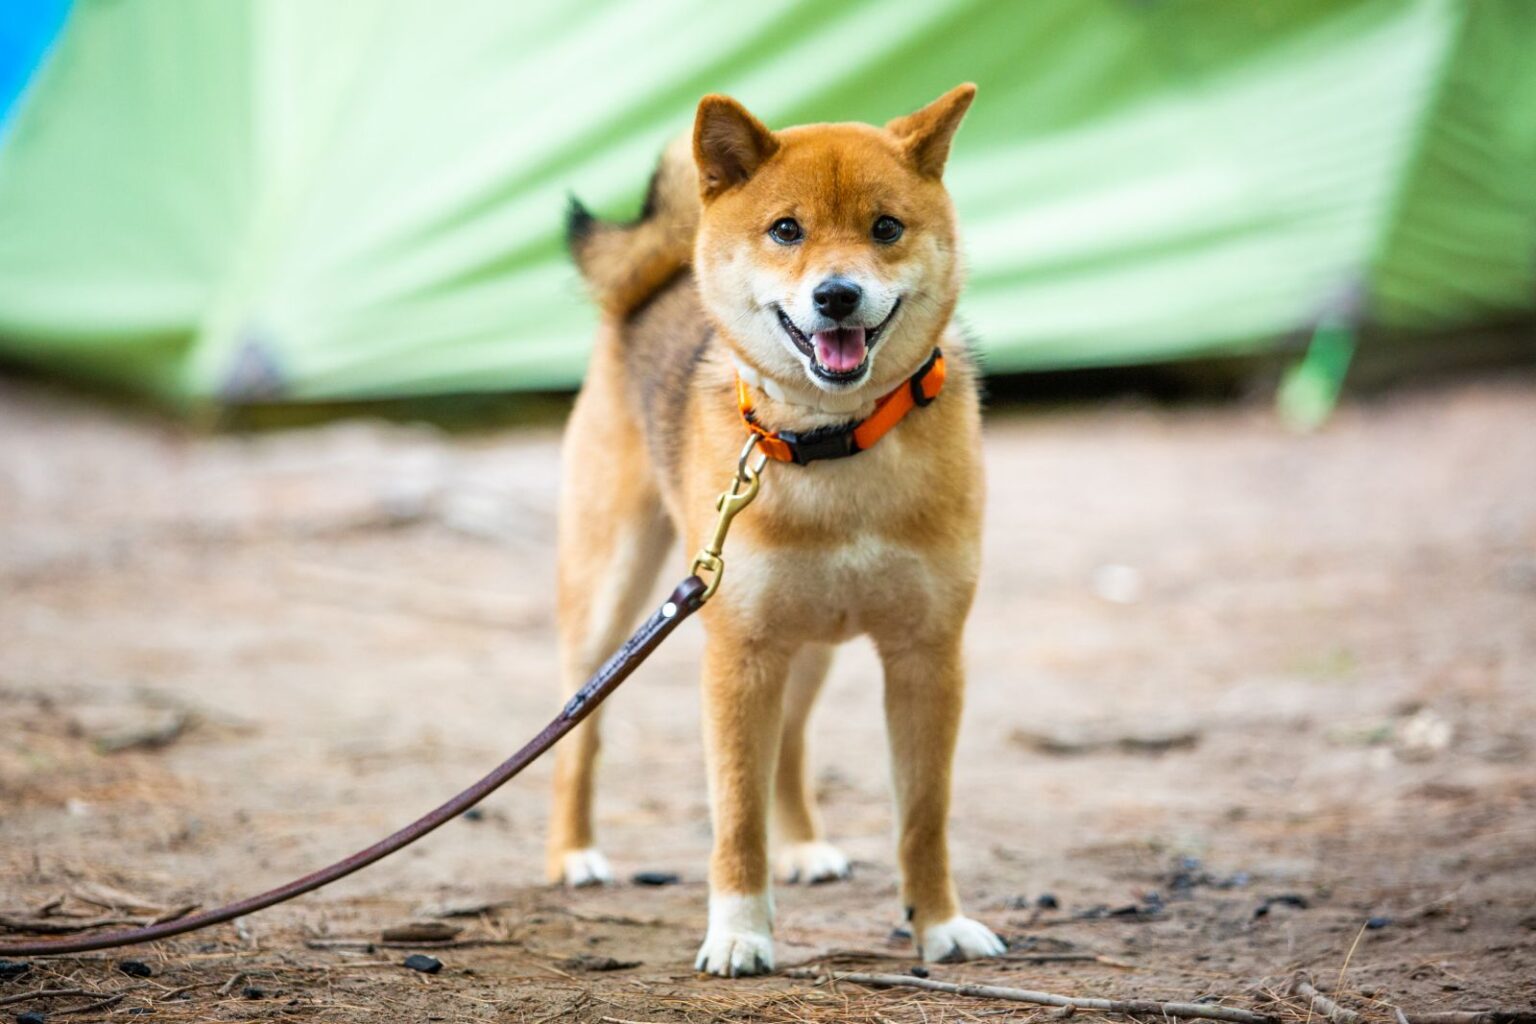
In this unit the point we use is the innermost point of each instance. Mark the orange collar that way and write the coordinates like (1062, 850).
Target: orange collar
(842, 440)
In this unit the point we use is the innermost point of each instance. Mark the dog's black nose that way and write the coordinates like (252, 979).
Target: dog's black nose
(837, 297)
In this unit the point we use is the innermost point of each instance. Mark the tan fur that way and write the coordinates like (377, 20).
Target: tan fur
(884, 544)
(624, 265)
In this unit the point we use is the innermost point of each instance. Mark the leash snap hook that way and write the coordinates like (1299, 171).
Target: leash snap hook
(708, 564)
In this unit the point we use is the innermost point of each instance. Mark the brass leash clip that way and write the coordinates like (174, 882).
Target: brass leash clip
(744, 487)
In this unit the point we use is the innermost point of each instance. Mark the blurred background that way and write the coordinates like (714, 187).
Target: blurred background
(1252, 670)
(273, 201)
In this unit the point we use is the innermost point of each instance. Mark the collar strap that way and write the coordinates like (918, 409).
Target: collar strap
(845, 439)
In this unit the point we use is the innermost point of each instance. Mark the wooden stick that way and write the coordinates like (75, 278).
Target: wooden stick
(62, 925)
(1014, 958)
(1020, 995)
(1301, 985)
(47, 993)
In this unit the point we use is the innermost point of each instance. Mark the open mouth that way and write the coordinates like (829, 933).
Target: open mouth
(838, 355)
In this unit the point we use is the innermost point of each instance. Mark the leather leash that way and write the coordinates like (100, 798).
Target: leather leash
(687, 598)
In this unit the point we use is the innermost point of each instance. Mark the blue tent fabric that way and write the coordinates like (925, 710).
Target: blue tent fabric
(28, 29)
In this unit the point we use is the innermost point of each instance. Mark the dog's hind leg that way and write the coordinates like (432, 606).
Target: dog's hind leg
(612, 539)
(804, 855)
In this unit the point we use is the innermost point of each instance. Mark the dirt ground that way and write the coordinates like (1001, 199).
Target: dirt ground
(1212, 664)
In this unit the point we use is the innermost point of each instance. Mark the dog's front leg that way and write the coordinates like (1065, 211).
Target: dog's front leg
(743, 709)
(924, 692)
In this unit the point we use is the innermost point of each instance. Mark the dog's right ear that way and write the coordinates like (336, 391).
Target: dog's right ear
(729, 144)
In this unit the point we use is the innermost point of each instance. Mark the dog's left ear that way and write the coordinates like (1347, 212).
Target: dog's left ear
(926, 134)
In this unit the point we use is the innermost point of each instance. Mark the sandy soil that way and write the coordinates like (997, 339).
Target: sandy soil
(1306, 663)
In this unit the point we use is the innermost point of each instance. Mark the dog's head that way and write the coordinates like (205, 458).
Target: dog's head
(827, 253)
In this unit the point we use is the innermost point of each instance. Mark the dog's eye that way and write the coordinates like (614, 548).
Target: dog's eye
(887, 230)
(786, 231)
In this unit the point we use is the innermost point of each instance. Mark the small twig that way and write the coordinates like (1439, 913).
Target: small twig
(844, 955)
(177, 992)
(46, 993)
(99, 894)
(365, 944)
(88, 1008)
(354, 945)
(1472, 1017)
(1302, 986)
(1062, 958)
(62, 925)
(1020, 995)
(234, 979)
(176, 912)
(1344, 967)
(48, 908)
(567, 1011)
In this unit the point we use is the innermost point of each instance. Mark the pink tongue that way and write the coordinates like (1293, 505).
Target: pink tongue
(840, 350)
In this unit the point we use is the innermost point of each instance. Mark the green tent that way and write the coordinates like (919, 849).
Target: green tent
(252, 200)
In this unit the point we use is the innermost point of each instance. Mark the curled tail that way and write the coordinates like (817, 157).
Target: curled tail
(625, 264)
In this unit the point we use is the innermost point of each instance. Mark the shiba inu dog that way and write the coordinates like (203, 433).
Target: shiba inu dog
(798, 284)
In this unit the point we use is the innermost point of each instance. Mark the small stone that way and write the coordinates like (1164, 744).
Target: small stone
(252, 992)
(474, 814)
(140, 1011)
(135, 968)
(1377, 923)
(655, 878)
(423, 963)
(1047, 901)
(31, 1017)
(900, 934)
(1285, 899)
(919, 972)
(13, 969)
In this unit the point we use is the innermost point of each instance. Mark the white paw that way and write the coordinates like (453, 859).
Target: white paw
(581, 868)
(959, 938)
(812, 862)
(740, 937)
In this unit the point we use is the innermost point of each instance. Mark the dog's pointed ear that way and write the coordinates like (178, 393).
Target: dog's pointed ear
(729, 144)
(926, 134)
